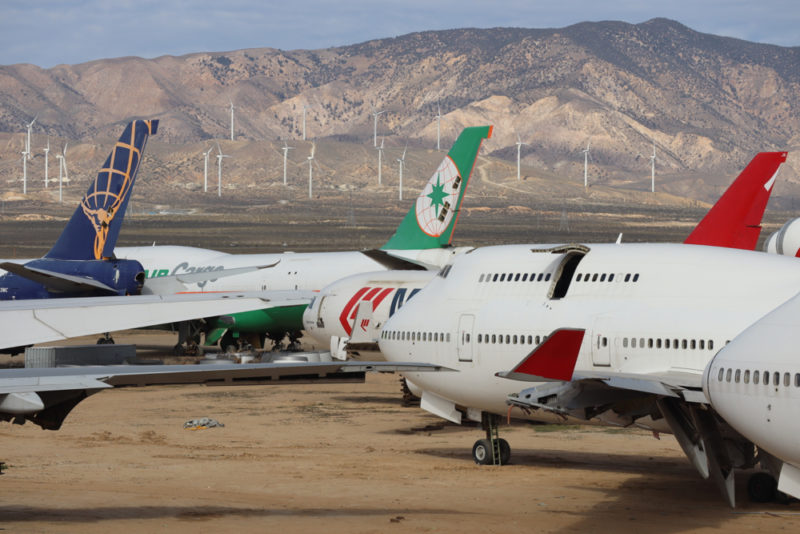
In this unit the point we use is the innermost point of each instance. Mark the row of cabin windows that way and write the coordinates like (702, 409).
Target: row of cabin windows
(603, 277)
(508, 339)
(514, 277)
(737, 376)
(657, 343)
(402, 335)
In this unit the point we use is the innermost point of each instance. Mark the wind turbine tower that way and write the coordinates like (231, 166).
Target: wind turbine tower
(311, 170)
(519, 147)
(46, 151)
(586, 165)
(231, 101)
(653, 169)
(304, 122)
(28, 139)
(220, 155)
(380, 162)
(438, 125)
(286, 149)
(375, 127)
(24, 172)
(402, 162)
(62, 167)
(205, 168)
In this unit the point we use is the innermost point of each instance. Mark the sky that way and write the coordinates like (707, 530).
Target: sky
(51, 32)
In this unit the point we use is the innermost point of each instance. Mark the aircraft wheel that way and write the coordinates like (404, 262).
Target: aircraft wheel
(505, 452)
(105, 341)
(482, 452)
(762, 487)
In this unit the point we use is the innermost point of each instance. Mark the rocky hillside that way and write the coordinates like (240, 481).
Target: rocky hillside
(707, 102)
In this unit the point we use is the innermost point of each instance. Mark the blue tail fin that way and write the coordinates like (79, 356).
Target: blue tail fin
(92, 232)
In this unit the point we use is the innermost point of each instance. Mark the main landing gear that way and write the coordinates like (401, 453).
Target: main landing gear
(106, 339)
(493, 450)
(762, 487)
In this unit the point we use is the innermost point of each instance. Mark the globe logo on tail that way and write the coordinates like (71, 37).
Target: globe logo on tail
(437, 203)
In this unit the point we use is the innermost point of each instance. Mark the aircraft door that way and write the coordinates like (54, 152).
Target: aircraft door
(601, 343)
(464, 338)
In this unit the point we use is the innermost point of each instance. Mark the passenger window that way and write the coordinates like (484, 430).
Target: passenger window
(633, 342)
(538, 339)
(605, 341)
(650, 343)
(628, 277)
(658, 343)
(747, 376)
(603, 277)
(530, 340)
(674, 343)
(495, 277)
(594, 277)
(541, 275)
(766, 378)
(611, 277)
(787, 379)
(702, 344)
(494, 338)
(776, 378)
(797, 380)
(468, 336)
(480, 279)
(721, 374)
(533, 277)
(503, 277)
(683, 344)
(728, 375)
(514, 340)
(738, 375)
(516, 278)
(508, 339)
(578, 278)
(525, 277)
(547, 277)
(710, 344)
(625, 342)
(641, 342)
(636, 277)
(666, 343)
(499, 340)
(755, 377)
(693, 344)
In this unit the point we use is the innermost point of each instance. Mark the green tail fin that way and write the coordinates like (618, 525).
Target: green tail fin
(432, 218)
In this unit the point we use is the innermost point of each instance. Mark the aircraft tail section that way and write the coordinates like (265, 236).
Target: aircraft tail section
(92, 232)
(735, 220)
(430, 222)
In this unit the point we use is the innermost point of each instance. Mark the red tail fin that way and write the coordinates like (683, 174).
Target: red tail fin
(735, 220)
(554, 359)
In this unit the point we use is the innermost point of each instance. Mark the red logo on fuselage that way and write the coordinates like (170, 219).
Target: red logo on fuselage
(367, 294)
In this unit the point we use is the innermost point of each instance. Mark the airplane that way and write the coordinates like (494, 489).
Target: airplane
(641, 322)
(734, 221)
(82, 261)
(422, 241)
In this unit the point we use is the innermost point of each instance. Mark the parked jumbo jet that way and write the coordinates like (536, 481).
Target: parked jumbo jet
(82, 261)
(733, 222)
(640, 321)
(422, 241)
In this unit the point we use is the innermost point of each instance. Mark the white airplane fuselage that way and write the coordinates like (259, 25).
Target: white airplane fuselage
(646, 308)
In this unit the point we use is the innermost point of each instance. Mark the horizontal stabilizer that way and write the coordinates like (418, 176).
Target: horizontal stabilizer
(554, 359)
(165, 285)
(58, 282)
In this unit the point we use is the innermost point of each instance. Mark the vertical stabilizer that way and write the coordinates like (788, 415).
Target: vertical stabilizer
(735, 220)
(92, 231)
(432, 218)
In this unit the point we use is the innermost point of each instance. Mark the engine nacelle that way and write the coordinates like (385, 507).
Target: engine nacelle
(785, 241)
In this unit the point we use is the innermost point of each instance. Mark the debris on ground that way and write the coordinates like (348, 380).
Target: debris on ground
(202, 424)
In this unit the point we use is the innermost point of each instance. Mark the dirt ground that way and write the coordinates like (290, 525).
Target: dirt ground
(343, 458)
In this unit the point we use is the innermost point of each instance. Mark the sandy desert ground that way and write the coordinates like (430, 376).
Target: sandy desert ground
(344, 458)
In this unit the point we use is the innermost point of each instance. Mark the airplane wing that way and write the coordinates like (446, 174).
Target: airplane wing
(59, 282)
(46, 396)
(165, 285)
(25, 322)
(735, 220)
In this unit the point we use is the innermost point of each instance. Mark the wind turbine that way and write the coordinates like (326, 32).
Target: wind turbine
(519, 147)
(286, 149)
(231, 101)
(304, 122)
(28, 139)
(586, 164)
(380, 158)
(438, 124)
(653, 169)
(62, 167)
(219, 169)
(402, 162)
(375, 127)
(310, 169)
(46, 151)
(24, 172)
(205, 168)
